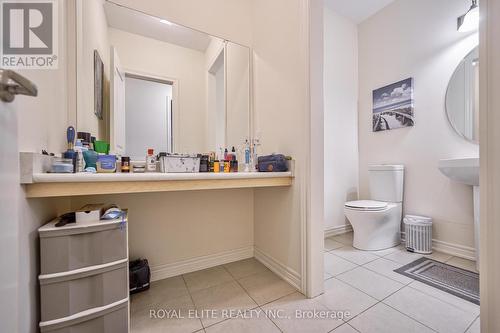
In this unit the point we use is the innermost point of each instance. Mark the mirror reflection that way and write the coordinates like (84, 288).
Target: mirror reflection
(462, 97)
(164, 86)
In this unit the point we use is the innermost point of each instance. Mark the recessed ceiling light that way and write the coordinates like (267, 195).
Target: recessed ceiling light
(166, 22)
(470, 20)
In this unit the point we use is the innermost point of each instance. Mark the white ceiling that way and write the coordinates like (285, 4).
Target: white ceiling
(141, 24)
(357, 10)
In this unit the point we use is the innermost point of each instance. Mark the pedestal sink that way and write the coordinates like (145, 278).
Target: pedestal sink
(466, 171)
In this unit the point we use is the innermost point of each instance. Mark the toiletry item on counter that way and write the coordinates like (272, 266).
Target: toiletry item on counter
(204, 163)
(247, 156)
(150, 161)
(85, 138)
(273, 163)
(138, 166)
(70, 153)
(225, 154)
(234, 164)
(180, 163)
(101, 147)
(106, 163)
(125, 166)
(216, 166)
(90, 158)
(211, 161)
(255, 154)
(79, 149)
(62, 165)
(227, 166)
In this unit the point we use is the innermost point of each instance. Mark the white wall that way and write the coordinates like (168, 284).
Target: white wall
(163, 226)
(146, 116)
(418, 39)
(341, 116)
(94, 37)
(237, 94)
(215, 76)
(41, 124)
(156, 58)
(165, 229)
(280, 116)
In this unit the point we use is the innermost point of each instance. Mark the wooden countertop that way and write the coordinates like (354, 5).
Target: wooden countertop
(79, 184)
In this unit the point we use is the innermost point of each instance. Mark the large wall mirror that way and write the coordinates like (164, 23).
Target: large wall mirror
(164, 86)
(462, 97)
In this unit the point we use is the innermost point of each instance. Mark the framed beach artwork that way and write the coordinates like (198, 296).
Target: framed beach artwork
(393, 106)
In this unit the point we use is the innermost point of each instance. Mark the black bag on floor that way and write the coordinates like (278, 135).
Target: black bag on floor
(139, 275)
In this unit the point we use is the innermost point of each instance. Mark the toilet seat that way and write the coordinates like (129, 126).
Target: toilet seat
(366, 205)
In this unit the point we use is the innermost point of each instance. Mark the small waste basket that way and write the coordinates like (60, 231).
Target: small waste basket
(418, 234)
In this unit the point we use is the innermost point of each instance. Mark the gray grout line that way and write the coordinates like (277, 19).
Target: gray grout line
(439, 299)
(472, 323)
(192, 300)
(257, 304)
(381, 301)
(354, 328)
(352, 262)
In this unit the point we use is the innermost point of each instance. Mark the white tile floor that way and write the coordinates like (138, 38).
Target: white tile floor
(361, 283)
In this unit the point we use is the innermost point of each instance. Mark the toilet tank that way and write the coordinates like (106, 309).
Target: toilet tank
(386, 182)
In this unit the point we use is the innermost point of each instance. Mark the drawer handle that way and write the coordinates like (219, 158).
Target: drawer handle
(84, 315)
(79, 271)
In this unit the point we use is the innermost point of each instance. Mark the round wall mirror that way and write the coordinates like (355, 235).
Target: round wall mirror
(462, 97)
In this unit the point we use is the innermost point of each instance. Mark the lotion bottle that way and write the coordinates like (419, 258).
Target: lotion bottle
(150, 161)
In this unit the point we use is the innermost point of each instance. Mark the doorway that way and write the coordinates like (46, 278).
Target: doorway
(148, 115)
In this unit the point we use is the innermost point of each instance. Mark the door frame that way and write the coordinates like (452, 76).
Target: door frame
(489, 154)
(174, 82)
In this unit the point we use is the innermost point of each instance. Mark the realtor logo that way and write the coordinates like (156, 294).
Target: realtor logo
(29, 34)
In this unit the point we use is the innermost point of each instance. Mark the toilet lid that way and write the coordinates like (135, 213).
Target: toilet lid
(366, 204)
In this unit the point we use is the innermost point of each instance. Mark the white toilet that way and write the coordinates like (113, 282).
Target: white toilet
(377, 222)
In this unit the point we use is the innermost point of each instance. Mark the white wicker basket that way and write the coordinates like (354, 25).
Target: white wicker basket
(418, 234)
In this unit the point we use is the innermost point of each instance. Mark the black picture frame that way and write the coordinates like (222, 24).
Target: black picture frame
(98, 85)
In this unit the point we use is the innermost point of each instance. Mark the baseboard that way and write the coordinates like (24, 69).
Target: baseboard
(286, 273)
(334, 231)
(195, 264)
(456, 250)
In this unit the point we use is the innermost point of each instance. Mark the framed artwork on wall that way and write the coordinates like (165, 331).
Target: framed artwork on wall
(393, 106)
(98, 85)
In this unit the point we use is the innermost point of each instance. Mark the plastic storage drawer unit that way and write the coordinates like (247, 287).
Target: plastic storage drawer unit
(64, 295)
(112, 319)
(84, 277)
(81, 245)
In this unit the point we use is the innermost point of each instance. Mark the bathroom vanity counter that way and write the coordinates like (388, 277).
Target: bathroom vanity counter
(59, 185)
